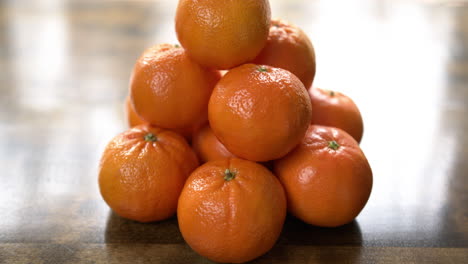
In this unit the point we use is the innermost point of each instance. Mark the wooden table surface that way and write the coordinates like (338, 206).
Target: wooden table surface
(64, 70)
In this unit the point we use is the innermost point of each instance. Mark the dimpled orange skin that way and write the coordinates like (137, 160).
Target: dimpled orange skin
(336, 110)
(222, 34)
(141, 179)
(170, 90)
(259, 113)
(134, 120)
(208, 147)
(324, 186)
(231, 221)
(289, 48)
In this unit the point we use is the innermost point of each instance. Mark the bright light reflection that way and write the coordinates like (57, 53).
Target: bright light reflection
(40, 44)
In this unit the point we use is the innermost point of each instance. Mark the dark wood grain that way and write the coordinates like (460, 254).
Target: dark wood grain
(64, 69)
(181, 253)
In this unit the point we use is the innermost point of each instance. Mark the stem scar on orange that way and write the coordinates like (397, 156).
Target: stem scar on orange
(231, 210)
(327, 178)
(143, 171)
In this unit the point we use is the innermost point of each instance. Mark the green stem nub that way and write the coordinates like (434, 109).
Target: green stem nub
(333, 145)
(229, 175)
(150, 137)
(262, 69)
(176, 46)
(331, 93)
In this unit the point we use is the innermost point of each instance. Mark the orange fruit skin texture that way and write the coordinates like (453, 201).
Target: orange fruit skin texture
(325, 187)
(222, 34)
(169, 90)
(336, 110)
(208, 147)
(231, 221)
(289, 48)
(141, 180)
(134, 120)
(259, 116)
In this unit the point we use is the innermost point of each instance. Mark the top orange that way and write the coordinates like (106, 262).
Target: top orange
(222, 34)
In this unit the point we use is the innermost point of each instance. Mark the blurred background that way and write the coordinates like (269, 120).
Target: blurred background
(64, 71)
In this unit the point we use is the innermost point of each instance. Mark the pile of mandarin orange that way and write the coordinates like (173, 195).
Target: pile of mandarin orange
(228, 133)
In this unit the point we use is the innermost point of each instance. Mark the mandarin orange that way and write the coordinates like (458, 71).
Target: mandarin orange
(335, 109)
(142, 172)
(259, 113)
(170, 90)
(134, 120)
(207, 146)
(231, 210)
(289, 48)
(222, 34)
(327, 178)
